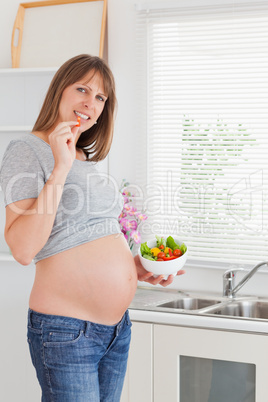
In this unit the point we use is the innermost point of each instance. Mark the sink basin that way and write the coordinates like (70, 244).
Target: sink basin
(189, 303)
(244, 308)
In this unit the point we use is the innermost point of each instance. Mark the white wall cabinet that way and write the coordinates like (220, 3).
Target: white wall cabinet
(180, 364)
(18, 378)
(138, 386)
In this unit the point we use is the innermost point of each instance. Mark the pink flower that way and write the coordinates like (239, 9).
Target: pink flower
(134, 224)
(126, 193)
(128, 225)
(124, 223)
(135, 235)
(142, 217)
(130, 210)
(130, 218)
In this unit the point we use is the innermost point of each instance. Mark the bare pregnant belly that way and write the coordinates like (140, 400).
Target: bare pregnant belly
(95, 281)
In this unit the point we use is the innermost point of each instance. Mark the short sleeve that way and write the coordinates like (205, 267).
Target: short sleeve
(21, 174)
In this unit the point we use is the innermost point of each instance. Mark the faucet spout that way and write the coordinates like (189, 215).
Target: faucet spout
(229, 276)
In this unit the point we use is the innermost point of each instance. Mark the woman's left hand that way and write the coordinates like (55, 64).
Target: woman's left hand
(145, 276)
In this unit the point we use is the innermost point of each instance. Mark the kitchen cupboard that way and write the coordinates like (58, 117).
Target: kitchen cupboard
(138, 385)
(196, 365)
(18, 378)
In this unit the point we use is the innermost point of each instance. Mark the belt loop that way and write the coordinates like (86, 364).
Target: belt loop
(87, 328)
(128, 318)
(29, 317)
(117, 329)
(120, 324)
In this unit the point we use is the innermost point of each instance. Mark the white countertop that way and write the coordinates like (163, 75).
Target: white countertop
(141, 309)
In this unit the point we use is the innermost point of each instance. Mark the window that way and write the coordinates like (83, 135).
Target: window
(206, 123)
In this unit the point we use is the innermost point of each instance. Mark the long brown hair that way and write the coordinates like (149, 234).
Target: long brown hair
(96, 141)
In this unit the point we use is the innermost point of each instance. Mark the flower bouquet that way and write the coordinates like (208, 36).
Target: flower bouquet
(130, 218)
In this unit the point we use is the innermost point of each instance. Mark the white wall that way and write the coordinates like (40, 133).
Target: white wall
(121, 55)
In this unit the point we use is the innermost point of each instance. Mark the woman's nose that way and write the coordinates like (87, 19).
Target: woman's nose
(89, 102)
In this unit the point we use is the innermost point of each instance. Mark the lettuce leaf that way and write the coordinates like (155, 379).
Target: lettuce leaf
(173, 245)
(148, 257)
(183, 248)
(146, 252)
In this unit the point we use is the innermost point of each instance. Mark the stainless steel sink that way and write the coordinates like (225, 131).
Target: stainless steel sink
(243, 308)
(172, 301)
(189, 303)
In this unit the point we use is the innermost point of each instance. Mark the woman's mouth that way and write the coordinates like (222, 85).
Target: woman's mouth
(83, 116)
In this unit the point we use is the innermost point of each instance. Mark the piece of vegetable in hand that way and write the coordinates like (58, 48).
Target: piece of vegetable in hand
(78, 121)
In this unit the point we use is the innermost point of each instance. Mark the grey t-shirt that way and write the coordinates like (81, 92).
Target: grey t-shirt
(90, 203)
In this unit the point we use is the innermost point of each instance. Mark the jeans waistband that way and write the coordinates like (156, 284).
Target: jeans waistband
(39, 319)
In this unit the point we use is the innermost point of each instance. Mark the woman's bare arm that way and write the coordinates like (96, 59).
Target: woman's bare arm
(29, 222)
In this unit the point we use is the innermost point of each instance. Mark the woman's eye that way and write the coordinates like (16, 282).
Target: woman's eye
(100, 98)
(81, 90)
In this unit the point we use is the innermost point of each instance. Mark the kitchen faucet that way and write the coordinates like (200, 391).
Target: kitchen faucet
(229, 288)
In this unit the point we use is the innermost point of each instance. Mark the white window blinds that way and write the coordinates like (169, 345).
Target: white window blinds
(207, 127)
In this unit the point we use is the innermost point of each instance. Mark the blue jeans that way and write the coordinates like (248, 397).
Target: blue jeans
(76, 360)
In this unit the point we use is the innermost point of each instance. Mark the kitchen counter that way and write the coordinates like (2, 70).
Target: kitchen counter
(144, 308)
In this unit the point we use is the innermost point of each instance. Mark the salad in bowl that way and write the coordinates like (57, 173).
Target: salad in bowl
(163, 256)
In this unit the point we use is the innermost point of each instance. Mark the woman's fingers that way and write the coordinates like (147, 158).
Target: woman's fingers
(63, 143)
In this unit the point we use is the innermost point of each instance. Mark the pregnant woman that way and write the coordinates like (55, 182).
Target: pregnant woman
(62, 214)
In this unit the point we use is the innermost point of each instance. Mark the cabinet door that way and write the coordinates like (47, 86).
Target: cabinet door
(18, 377)
(138, 386)
(201, 365)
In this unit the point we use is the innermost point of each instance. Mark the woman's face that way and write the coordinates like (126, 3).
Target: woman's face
(85, 98)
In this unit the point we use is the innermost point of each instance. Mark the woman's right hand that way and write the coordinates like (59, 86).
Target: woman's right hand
(62, 141)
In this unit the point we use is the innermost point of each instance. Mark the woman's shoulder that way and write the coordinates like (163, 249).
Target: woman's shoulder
(28, 149)
(26, 141)
(26, 145)
(17, 147)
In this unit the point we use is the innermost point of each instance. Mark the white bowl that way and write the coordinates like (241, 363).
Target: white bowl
(170, 267)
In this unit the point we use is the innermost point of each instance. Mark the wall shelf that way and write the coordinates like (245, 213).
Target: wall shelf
(27, 71)
(15, 129)
(5, 256)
